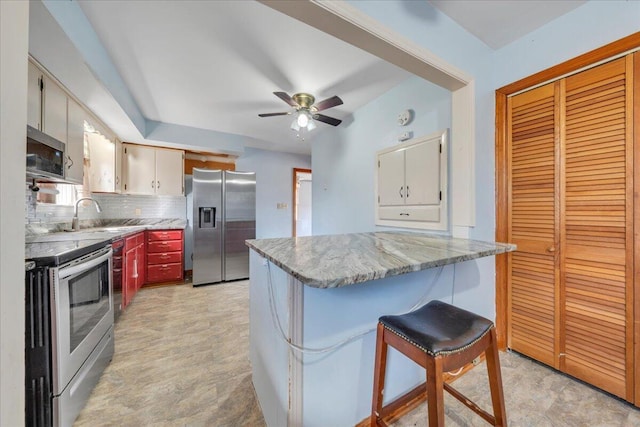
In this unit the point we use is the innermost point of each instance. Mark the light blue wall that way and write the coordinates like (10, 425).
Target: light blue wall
(347, 204)
(592, 25)
(431, 29)
(344, 160)
(274, 178)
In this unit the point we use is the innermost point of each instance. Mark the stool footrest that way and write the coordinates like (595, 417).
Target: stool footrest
(470, 404)
(403, 404)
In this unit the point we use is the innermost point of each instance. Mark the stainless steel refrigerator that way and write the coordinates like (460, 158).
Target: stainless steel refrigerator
(224, 216)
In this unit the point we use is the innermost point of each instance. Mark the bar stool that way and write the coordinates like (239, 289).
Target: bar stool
(440, 338)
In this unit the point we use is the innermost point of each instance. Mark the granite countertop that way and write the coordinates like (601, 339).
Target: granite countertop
(344, 259)
(112, 231)
(48, 244)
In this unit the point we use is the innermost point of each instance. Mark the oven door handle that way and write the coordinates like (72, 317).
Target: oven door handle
(85, 265)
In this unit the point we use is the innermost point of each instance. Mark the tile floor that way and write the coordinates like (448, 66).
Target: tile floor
(182, 360)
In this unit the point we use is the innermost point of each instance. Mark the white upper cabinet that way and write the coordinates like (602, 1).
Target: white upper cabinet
(151, 170)
(104, 162)
(412, 184)
(34, 97)
(139, 163)
(422, 173)
(391, 178)
(51, 110)
(74, 154)
(46, 104)
(169, 172)
(54, 110)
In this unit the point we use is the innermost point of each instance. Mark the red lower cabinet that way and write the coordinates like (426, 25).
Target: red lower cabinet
(133, 267)
(165, 256)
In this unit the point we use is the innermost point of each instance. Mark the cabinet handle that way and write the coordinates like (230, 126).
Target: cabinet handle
(117, 180)
(152, 184)
(407, 191)
(69, 162)
(158, 185)
(400, 191)
(551, 249)
(135, 268)
(404, 214)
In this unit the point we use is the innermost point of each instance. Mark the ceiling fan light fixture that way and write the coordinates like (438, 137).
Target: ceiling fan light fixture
(311, 125)
(306, 112)
(303, 119)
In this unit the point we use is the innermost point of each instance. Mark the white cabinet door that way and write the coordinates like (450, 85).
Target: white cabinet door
(169, 172)
(118, 166)
(139, 163)
(34, 97)
(412, 184)
(54, 110)
(101, 163)
(75, 143)
(422, 174)
(391, 178)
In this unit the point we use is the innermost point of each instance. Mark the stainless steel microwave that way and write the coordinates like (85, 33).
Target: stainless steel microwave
(45, 156)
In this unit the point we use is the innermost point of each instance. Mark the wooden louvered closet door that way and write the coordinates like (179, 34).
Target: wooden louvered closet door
(533, 227)
(571, 214)
(597, 246)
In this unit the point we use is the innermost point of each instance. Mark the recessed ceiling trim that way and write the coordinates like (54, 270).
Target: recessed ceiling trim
(364, 32)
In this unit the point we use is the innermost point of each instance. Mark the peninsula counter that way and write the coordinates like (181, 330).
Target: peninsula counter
(314, 305)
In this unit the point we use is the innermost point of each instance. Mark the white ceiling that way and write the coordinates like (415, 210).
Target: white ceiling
(500, 22)
(214, 64)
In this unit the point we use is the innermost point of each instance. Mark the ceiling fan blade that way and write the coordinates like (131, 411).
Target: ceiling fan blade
(326, 119)
(328, 103)
(273, 114)
(286, 98)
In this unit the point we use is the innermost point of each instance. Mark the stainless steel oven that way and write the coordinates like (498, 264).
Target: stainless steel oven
(79, 318)
(82, 329)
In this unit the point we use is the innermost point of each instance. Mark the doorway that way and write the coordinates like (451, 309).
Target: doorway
(301, 202)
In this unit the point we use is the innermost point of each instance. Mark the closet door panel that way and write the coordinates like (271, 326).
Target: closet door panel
(597, 234)
(532, 288)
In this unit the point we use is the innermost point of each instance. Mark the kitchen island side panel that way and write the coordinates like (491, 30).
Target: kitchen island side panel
(336, 386)
(268, 353)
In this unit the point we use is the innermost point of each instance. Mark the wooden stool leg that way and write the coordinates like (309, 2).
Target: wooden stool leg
(435, 391)
(378, 376)
(495, 380)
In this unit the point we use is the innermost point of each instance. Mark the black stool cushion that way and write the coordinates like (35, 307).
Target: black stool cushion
(438, 328)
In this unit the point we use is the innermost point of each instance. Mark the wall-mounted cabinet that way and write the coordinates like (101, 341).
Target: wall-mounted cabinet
(105, 164)
(52, 111)
(152, 170)
(74, 169)
(411, 183)
(34, 96)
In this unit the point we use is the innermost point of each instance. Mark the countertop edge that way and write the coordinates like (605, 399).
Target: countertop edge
(500, 248)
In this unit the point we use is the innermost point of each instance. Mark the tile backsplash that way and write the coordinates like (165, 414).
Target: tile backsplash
(114, 206)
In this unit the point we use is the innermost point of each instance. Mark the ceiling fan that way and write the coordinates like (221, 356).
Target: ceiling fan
(306, 111)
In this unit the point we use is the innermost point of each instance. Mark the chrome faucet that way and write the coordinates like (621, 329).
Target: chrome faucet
(75, 224)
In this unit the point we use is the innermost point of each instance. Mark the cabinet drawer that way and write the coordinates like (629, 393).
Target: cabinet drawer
(410, 213)
(164, 235)
(164, 246)
(164, 257)
(164, 272)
